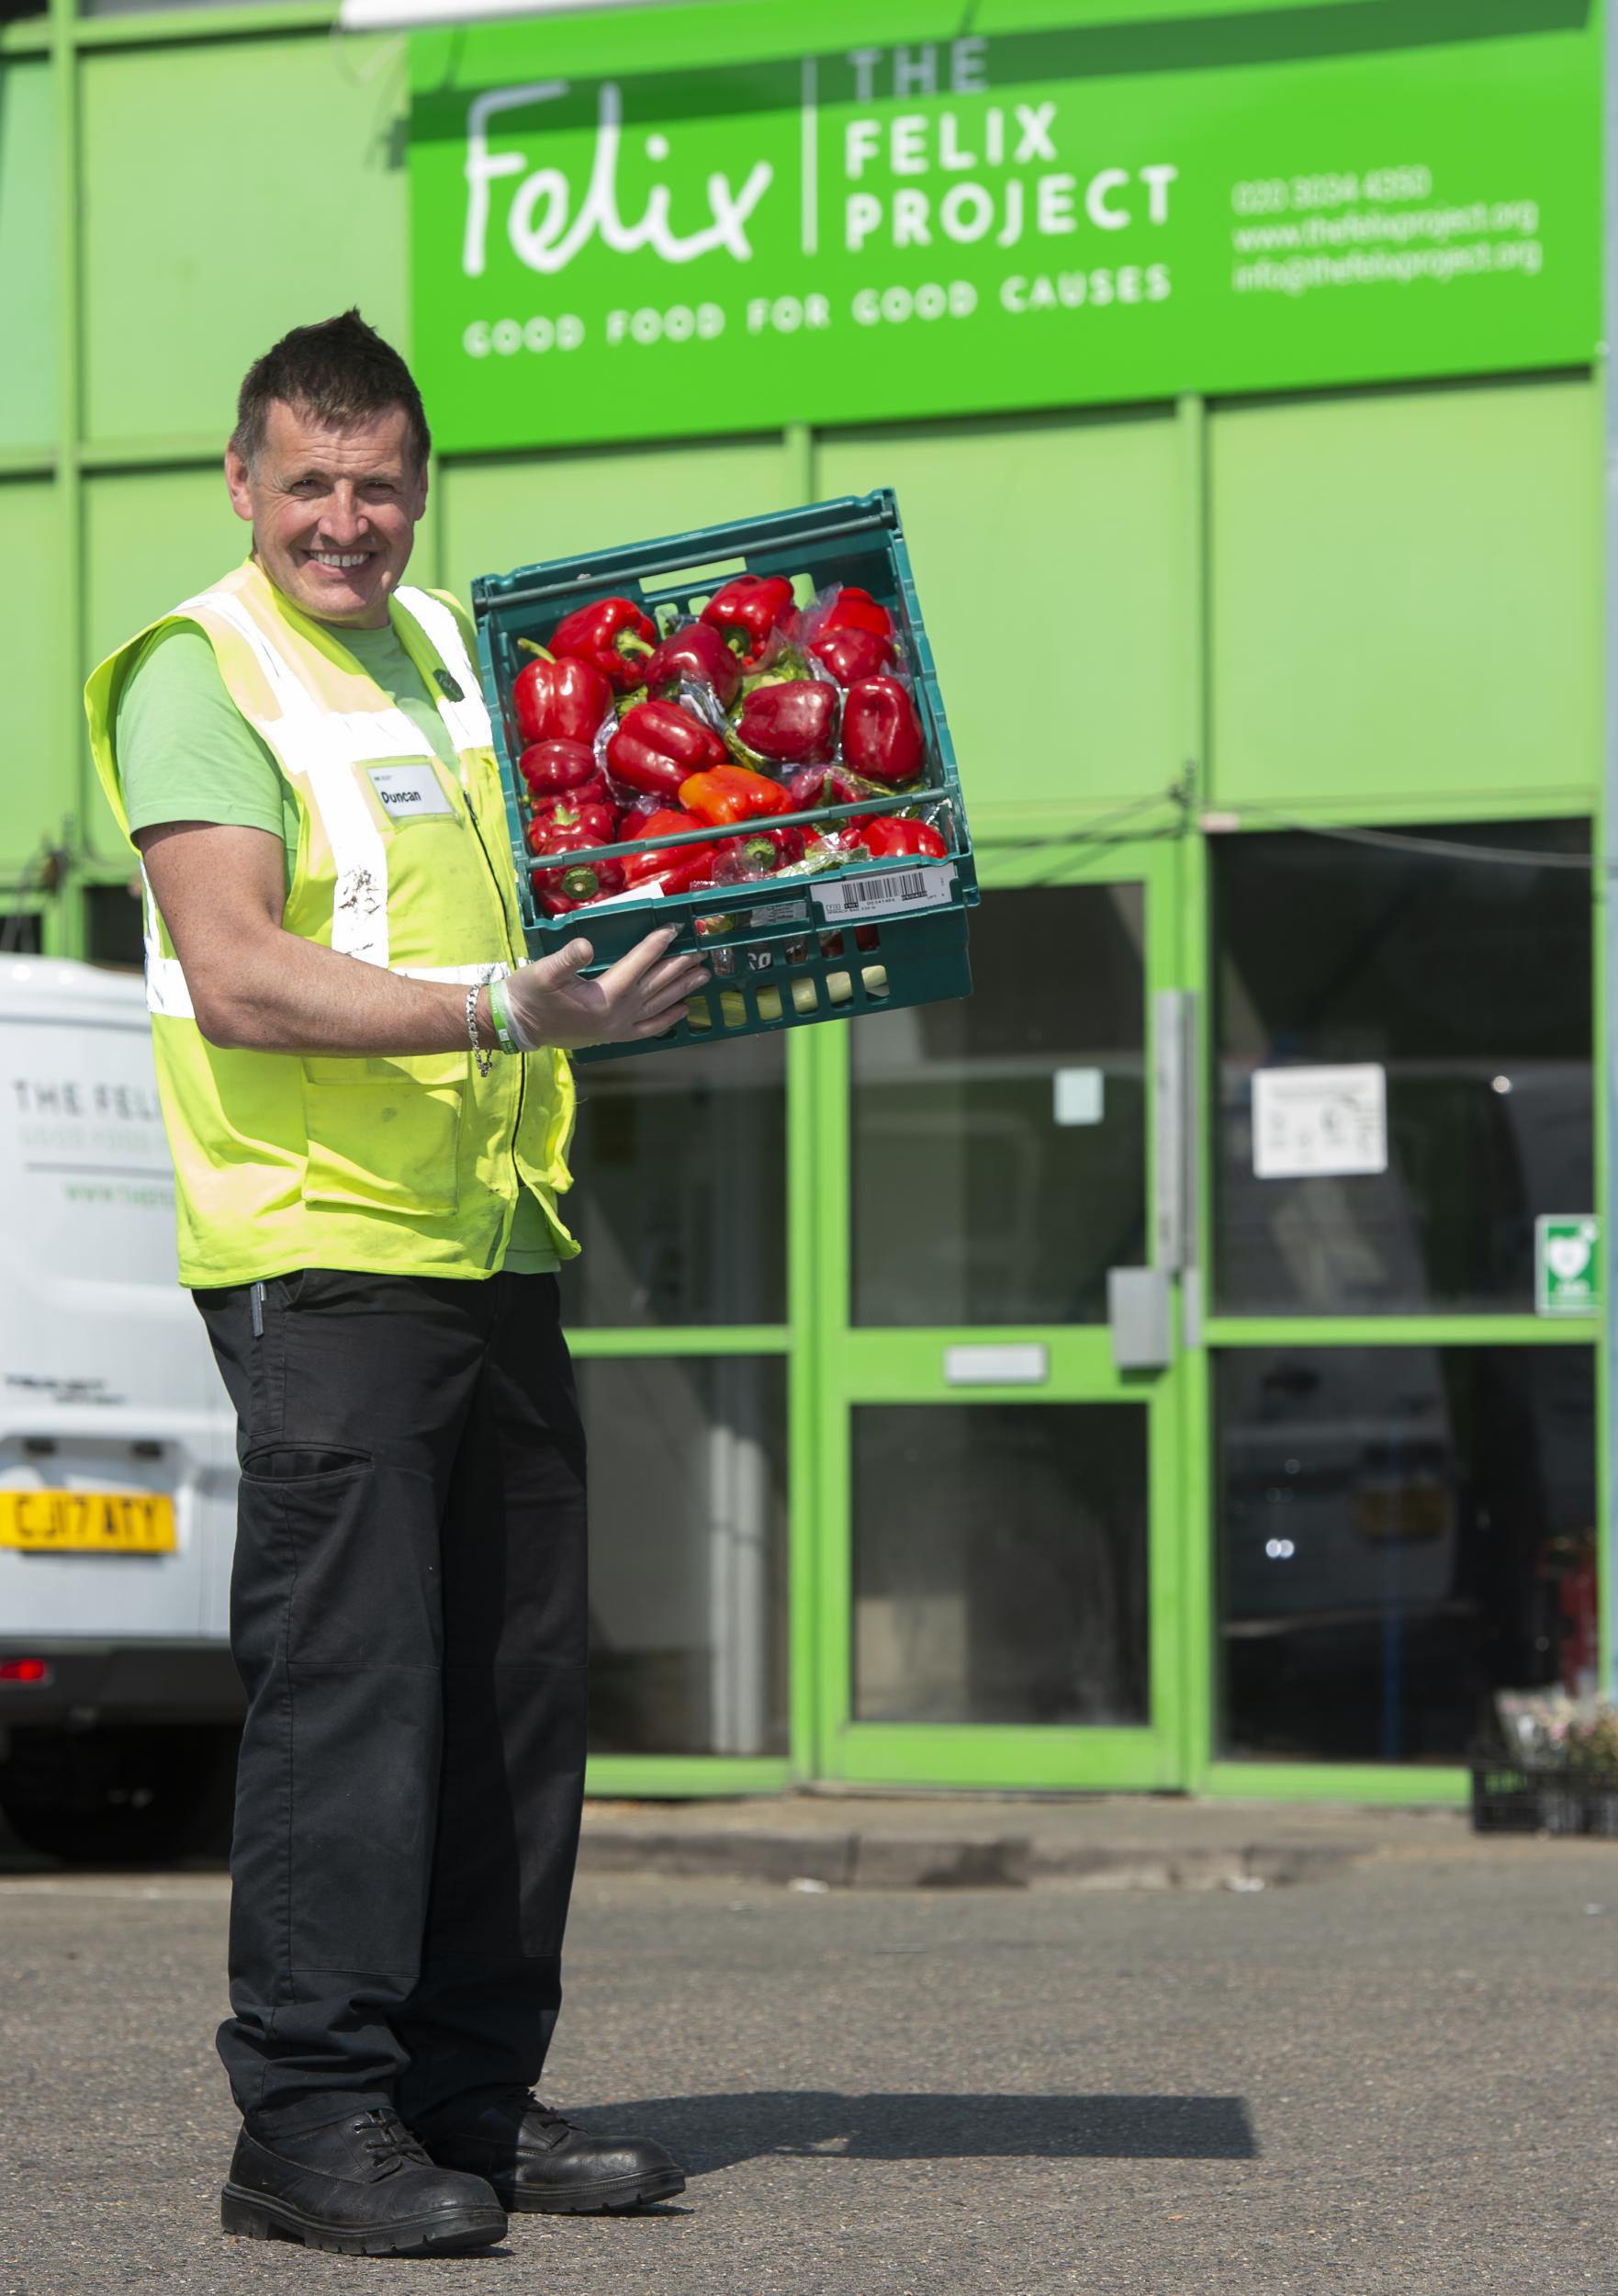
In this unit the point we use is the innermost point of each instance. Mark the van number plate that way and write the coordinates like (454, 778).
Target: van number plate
(87, 1522)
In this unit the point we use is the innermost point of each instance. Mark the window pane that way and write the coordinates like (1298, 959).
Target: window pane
(998, 1156)
(1469, 983)
(688, 1555)
(680, 1197)
(1404, 1531)
(113, 926)
(1000, 1563)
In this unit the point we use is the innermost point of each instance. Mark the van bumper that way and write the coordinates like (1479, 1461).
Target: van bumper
(94, 1682)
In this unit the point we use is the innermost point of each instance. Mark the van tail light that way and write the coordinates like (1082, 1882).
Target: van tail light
(32, 1670)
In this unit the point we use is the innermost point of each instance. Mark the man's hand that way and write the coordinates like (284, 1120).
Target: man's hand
(641, 995)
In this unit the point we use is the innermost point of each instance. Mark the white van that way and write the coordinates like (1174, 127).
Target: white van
(117, 1466)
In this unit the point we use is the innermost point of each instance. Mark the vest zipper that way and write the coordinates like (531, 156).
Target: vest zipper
(505, 930)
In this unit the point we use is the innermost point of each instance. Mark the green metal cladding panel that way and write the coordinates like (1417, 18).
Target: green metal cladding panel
(1405, 596)
(1044, 555)
(215, 219)
(152, 538)
(496, 516)
(36, 762)
(27, 251)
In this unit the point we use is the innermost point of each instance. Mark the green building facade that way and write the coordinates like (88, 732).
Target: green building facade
(1266, 583)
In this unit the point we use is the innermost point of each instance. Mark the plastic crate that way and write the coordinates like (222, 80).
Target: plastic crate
(788, 954)
(1511, 1796)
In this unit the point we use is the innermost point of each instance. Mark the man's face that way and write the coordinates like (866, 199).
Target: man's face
(333, 512)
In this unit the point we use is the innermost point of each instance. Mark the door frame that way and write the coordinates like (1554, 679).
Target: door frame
(844, 1364)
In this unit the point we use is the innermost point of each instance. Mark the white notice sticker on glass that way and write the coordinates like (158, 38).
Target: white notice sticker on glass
(889, 891)
(1080, 1095)
(1311, 1122)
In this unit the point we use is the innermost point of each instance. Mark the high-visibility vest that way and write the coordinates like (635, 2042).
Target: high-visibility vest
(397, 1165)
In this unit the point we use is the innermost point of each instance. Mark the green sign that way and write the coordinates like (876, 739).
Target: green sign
(1112, 209)
(1567, 1265)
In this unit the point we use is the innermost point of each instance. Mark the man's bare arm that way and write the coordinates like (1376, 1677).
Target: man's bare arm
(256, 987)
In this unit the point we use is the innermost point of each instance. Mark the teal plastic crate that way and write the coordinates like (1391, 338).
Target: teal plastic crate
(783, 954)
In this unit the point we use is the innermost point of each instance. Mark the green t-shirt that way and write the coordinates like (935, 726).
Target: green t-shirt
(185, 753)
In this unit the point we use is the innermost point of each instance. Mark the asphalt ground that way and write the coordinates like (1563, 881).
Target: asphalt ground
(1398, 2076)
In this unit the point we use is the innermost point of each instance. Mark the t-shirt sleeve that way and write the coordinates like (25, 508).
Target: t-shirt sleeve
(185, 751)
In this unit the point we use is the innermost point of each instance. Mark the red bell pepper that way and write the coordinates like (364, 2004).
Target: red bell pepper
(855, 610)
(729, 793)
(674, 867)
(814, 785)
(757, 853)
(613, 635)
(881, 733)
(851, 655)
(886, 836)
(575, 811)
(554, 766)
(659, 745)
(559, 701)
(793, 722)
(592, 793)
(698, 652)
(569, 886)
(748, 611)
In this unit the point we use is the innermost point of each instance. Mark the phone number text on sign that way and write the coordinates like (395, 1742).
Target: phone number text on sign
(1274, 194)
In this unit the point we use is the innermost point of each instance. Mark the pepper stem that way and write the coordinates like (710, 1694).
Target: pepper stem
(529, 647)
(628, 644)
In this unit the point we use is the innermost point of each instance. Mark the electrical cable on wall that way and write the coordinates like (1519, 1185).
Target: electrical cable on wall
(1217, 824)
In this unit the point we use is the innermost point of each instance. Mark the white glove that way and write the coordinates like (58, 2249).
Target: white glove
(641, 995)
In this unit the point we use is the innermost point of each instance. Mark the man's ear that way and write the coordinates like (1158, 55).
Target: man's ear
(238, 484)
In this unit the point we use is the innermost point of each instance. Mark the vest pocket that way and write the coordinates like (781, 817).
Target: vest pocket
(384, 1134)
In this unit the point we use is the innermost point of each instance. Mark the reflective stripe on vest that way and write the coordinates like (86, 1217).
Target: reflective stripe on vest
(468, 720)
(325, 743)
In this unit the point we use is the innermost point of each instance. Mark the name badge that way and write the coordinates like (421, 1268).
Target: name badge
(409, 793)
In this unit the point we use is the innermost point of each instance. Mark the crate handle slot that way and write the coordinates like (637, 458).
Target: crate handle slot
(692, 576)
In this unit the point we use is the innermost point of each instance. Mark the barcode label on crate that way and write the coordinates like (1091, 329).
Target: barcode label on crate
(888, 894)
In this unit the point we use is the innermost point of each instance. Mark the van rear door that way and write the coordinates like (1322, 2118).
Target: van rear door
(116, 1473)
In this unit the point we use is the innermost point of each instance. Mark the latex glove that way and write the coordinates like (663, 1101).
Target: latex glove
(641, 995)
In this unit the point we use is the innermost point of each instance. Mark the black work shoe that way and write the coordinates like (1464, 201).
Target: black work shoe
(363, 2186)
(540, 2164)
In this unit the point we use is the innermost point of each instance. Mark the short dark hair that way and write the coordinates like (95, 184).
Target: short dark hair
(341, 371)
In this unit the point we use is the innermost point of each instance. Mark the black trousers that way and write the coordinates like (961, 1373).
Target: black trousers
(408, 1611)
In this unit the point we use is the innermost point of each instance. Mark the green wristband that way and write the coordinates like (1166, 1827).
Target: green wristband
(499, 1016)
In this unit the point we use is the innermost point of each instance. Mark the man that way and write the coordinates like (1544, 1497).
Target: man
(368, 1170)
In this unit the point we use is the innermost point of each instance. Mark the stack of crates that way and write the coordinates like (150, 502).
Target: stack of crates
(870, 937)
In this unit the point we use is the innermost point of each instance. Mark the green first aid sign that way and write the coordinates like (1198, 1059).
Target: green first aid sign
(1117, 209)
(1568, 1264)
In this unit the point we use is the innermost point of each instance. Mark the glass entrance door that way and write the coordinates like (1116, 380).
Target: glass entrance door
(997, 1389)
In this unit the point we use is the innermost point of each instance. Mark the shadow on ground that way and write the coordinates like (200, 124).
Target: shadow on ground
(715, 2132)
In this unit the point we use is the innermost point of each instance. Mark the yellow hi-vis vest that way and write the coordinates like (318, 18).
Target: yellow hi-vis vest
(397, 1165)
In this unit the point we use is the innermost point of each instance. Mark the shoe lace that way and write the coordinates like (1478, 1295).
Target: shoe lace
(535, 2107)
(387, 2140)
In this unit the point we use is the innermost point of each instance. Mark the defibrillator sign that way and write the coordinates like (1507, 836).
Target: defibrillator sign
(1567, 1265)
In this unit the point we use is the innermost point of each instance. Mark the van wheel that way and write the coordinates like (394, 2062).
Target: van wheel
(141, 1794)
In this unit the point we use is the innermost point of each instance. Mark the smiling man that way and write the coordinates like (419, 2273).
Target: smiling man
(369, 1156)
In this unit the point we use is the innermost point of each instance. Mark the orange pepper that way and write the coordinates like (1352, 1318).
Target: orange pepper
(724, 794)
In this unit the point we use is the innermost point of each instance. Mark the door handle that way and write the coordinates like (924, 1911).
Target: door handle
(1139, 1300)
(1173, 1095)
(1138, 1303)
